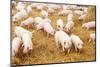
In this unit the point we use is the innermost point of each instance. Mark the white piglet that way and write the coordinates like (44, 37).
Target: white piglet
(50, 11)
(20, 6)
(63, 39)
(14, 3)
(77, 42)
(19, 16)
(79, 12)
(37, 20)
(60, 24)
(44, 14)
(16, 44)
(48, 28)
(19, 31)
(82, 17)
(70, 23)
(69, 26)
(89, 25)
(24, 12)
(39, 7)
(29, 9)
(28, 21)
(70, 17)
(64, 12)
(33, 5)
(27, 44)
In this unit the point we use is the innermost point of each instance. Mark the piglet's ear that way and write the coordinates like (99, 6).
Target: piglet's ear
(22, 46)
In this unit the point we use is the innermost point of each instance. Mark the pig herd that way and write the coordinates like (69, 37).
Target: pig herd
(63, 35)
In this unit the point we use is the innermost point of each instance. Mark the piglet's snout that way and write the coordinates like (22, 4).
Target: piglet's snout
(29, 51)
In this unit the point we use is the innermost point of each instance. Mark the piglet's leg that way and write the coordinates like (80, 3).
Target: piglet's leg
(63, 48)
(75, 48)
(68, 50)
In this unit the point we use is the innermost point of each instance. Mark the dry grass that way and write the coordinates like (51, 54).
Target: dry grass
(45, 50)
(91, 15)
